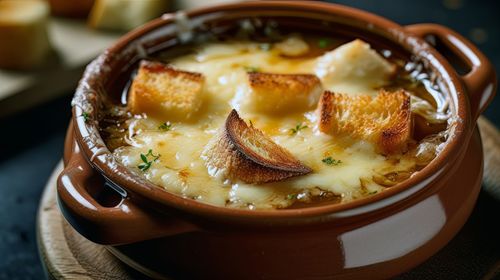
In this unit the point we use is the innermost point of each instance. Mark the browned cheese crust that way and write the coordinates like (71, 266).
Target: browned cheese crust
(291, 83)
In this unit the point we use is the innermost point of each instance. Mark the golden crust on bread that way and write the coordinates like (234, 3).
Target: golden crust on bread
(242, 152)
(384, 120)
(281, 93)
(165, 92)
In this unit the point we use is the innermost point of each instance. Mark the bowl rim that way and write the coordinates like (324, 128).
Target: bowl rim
(100, 158)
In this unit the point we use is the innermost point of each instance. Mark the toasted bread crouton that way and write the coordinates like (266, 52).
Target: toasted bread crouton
(354, 62)
(292, 46)
(280, 93)
(164, 92)
(384, 120)
(242, 152)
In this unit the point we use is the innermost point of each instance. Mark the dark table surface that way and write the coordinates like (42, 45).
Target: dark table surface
(31, 145)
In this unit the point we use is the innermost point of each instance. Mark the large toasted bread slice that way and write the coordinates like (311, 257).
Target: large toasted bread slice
(384, 120)
(280, 93)
(242, 152)
(164, 92)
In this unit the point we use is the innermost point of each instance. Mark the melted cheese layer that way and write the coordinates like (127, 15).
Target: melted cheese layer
(181, 169)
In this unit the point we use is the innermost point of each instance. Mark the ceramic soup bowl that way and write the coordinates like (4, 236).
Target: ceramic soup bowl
(165, 235)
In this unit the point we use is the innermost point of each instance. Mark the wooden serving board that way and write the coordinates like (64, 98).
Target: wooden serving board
(68, 255)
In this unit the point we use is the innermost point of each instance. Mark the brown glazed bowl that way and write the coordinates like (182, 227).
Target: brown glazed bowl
(165, 235)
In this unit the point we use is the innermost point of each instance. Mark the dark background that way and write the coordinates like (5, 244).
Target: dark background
(31, 144)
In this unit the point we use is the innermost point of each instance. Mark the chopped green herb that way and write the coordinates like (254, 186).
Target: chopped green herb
(324, 42)
(251, 123)
(297, 128)
(265, 46)
(166, 126)
(373, 192)
(86, 116)
(291, 196)
(271, 31)
(146, 162)
(251, 69)
(331, 161)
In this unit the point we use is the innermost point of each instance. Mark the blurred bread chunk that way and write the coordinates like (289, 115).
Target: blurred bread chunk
(124, 15)
(24, 41)
(71, 8)
(193, 4)
(292, 46)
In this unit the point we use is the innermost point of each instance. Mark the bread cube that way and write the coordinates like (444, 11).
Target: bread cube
(125, 15)
(280, 93)
(24, 43)
(354, 63)
(166, 93)
(384, 120)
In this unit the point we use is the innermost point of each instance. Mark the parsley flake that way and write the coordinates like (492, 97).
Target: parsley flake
(251, 69)
(331, 161)
(324, 42)
(291, 196)
(166, 126)
(265, 46)
(146, 163)
(86, 116)
(297, 128)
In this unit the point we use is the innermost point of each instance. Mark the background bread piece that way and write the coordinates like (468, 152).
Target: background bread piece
(164, 92)
(242, 152)
(384, 120)
(71, 8)
(24, 42)
(125, 15)
(280, 93)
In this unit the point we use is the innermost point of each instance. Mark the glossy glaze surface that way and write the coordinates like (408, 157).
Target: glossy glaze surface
(379, 246)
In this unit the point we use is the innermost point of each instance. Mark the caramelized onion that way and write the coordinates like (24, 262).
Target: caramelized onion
(391, 178)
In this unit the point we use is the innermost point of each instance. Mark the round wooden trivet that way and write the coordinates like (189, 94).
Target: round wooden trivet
(68, 255)
(490, 136)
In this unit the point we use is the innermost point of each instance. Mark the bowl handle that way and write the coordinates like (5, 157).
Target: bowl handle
(121, 224)
(480, 81)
